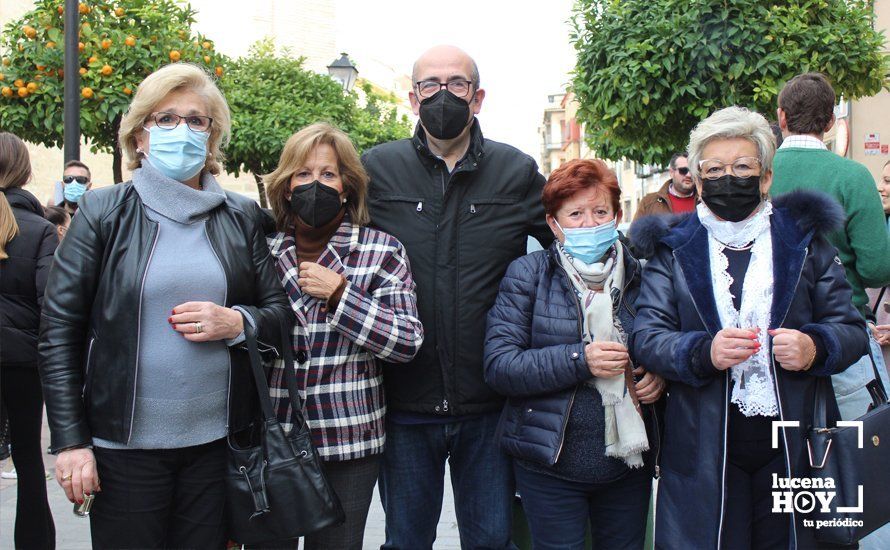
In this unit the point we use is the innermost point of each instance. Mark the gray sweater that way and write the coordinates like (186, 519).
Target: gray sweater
(181, 386)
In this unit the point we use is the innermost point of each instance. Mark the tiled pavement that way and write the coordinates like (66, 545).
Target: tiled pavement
(73, 533)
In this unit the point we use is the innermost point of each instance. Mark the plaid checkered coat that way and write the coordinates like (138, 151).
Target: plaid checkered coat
(336, 352)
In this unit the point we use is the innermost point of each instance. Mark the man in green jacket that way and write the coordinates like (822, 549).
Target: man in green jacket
(805, 113)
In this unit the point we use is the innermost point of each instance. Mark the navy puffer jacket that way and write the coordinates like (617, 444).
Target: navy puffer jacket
(534, 353)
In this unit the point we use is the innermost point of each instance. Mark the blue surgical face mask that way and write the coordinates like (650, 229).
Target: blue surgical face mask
(589, 244)
(179, 153)
(74, 190)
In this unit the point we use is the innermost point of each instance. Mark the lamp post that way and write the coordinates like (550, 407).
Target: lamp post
(71, 106)
(344, 72)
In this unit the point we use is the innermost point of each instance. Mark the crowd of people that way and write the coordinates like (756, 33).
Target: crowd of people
(423, 333)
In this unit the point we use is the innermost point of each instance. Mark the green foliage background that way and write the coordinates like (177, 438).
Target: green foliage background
(649, 70)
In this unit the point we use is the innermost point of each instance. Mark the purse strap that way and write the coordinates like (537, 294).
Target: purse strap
(259, 375)
(874, 310)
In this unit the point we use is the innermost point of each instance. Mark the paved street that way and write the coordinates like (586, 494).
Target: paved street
(73, 533)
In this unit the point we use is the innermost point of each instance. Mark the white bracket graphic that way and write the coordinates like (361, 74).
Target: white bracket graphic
(852, 423)
(852, 509)
(782, 424)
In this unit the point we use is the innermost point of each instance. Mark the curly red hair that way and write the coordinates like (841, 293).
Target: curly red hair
(578, 175)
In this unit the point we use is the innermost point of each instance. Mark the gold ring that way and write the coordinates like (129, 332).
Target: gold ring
(66, 477)
(198, 328)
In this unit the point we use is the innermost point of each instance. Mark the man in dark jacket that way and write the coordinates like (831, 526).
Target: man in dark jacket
(463, 206)
(676, 196)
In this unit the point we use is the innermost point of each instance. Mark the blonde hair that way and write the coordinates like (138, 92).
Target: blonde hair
(293, 157)
(15, 171)
(155, 88)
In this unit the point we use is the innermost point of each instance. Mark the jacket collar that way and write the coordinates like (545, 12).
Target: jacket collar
(689, 241)
(19, 198)
(474, 153)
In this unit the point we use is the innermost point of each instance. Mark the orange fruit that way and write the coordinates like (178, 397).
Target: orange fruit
(119, 12)
(181, 34)
(80, 46)
(206, 59)
(32, 87)
(106, 70)
(127, 90)
(130, 40)
(206, 45)
(5, 62)
(29, 31)
(106, 44)
(92, 59)
(2, 77)
(50, 44)
(41, 67)
(23, 92)
(83, 71)
(219, 71)
(6, 91)
(175, 55)
(61, 73)
(83, 9)
(61, 10)
(87, 93)
(18, 83)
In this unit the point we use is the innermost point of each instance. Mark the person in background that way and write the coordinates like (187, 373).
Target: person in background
(676, 196)
(579, 419)
(878, 299)
(743, 310)
(76, 180)
(27, 244)
(463, 206)
(60, 218)
(141, 337)
(805, 113)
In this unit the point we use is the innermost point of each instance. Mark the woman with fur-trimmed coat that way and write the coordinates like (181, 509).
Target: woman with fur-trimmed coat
(744, 307)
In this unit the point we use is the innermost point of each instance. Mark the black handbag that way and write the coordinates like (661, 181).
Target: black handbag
(276, 488)
(857, 461)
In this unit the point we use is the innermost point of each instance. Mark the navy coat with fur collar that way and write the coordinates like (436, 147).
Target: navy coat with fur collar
(677, 314)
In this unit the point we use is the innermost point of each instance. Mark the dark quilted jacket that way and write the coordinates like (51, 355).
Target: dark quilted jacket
(534, 353)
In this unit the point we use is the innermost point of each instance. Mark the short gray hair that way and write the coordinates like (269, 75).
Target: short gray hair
(728, 123)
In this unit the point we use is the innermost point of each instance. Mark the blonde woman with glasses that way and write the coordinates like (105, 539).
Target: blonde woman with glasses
(140, 344)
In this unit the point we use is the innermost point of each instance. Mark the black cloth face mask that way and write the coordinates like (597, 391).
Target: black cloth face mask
(731, 197)
(315, 203)
(444, 115)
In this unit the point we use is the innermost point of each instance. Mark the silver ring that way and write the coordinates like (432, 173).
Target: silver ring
(198, 328)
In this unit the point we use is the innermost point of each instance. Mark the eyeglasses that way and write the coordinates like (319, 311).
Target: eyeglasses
(79, 179)
(428, 88)
(683, 170)
(168, 121)
(742, 167)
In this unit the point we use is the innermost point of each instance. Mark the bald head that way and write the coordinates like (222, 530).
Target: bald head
(445, 60)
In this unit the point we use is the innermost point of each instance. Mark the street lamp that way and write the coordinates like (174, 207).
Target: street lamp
(344, 72)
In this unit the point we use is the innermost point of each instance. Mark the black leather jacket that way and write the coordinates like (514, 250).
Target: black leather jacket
(89, 331)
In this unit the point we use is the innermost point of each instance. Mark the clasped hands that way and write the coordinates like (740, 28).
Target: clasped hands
(609, 359)
(794, 350)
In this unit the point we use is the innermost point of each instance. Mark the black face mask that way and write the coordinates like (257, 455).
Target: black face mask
(730, 197)
(316, 204)
(444, 115)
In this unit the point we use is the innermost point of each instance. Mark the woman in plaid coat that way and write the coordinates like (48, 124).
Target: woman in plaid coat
(353, 295)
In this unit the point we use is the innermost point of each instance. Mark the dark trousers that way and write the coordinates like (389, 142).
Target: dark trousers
(749, 521)
(23, 397)
(413, 475)
(558, 511)
(353, 481)
(160, 498)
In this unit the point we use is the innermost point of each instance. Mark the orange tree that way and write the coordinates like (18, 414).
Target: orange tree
(272, 96)
(120, 42)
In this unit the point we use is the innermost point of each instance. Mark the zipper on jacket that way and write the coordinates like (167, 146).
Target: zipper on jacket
(154, 244)
(420, 206)
(725, 452)
(225, 301)
(472, 209)
(445, 405)
(565, 420)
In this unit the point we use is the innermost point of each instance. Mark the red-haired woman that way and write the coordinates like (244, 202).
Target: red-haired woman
(579, 419)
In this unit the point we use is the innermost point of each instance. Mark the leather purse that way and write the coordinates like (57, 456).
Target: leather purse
(276, 488)
(858, 462)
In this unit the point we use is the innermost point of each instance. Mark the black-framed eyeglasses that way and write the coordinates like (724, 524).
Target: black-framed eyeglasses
(458, 87)
(79, 179)
(742, 167)
(683, 170)
(168, 121)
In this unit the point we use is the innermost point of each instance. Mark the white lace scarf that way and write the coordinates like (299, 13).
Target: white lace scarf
(753, 390)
